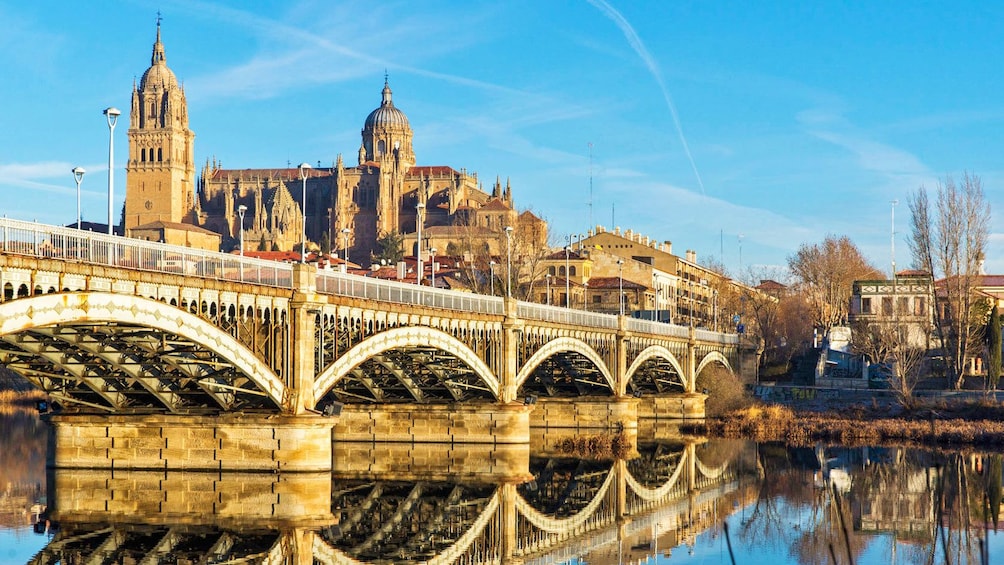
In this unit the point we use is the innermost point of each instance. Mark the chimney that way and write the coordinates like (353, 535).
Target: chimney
(667, 246)
(402, 270)
(629, 235)
(692, 256)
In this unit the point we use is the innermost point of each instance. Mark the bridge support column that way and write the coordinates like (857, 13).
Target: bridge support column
(303, 310)
(691, 376)
(508, 368)
(229, 442)
(620, 371)
(431, 423)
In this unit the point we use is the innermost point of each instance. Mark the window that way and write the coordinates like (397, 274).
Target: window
(551, 270)
(866, 305)
(597, 299)
(561, 271)
(571, 271)
(919, 306)
(903, 305)
(887, 305)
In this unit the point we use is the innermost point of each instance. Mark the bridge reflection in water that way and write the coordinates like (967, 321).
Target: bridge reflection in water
(433, 507)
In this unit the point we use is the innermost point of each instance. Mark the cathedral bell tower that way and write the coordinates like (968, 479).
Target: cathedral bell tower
(160, 173)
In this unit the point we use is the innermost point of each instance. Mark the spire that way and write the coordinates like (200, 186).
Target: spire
(386, 92)
(158, 47)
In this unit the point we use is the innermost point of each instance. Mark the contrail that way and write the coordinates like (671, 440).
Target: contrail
(642, 52)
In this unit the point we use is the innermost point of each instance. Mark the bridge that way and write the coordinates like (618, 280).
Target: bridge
(164, 356)
(609, 511)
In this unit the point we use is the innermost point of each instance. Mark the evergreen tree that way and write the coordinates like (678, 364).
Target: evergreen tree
(993, 348)
(390, 247)
(325, 243)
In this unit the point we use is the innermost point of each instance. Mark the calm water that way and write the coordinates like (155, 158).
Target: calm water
(670, 502)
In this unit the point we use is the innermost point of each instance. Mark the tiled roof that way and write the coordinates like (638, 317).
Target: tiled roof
(281, 174)
(496, 205)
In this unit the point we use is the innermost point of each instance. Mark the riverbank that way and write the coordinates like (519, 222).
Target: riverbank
(975, 423)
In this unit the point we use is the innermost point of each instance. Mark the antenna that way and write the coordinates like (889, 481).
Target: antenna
(590, 226)
(613, 215)
(892, 244)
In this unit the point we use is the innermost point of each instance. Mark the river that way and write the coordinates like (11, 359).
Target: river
(680, 500)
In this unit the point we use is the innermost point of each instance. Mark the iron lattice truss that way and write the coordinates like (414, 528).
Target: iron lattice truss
(564, 487)
(123, 368)
(566, 375)
(656, 464)
(103, 543)
(411, 374)
(394, 522)
(654, 377)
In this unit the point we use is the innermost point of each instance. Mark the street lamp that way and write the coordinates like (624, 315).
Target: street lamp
(304, 167)
(345, 246)
(491, 268)
(432, 267)
(111, 115)
(508, 261)
(548, 278)
(419, 209)
(78, 176)
(240, 212)
(620, 285)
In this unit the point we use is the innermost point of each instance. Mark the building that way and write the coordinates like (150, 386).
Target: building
(906, 302)
(385, 193)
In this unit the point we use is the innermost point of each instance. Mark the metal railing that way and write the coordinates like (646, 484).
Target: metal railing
(561, 315)
(66, 244)
(71, 245)
(354, 286)
(658, 328)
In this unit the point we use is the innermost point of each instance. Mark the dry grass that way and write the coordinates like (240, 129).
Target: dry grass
(958, 424)
(600, 446)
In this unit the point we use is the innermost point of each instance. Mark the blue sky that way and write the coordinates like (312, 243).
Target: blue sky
(724, 127)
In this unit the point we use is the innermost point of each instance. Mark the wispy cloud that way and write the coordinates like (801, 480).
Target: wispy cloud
(639, 47)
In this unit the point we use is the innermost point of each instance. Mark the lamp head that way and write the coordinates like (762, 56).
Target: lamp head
(420, 206)
(346, 231)
(240, 211)
(78, 173)
(112, 114)
(508, 229)
(303, 170)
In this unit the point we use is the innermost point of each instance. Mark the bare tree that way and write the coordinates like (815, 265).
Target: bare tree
(951, 244)
(826, 273)
(894, 343)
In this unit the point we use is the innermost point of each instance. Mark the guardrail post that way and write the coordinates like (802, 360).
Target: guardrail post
(304, 307)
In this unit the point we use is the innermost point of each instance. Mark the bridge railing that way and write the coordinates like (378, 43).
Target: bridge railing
(68, 244)
(342, 284)
(708, 335)
(561, 315)
(657, 328)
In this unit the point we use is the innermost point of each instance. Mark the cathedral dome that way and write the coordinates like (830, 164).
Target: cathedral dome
(158, 75)
(386, 115)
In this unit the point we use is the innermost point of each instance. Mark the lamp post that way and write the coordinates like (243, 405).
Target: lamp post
(419, 220)
(304, 167)
(111, 115)
(658, 293)
(491, 268)
(620, 285)
(78, 176)
(568, 292)
(240, 212)
(508, 261)
(432, 266)
(547, 277)
(345, 246)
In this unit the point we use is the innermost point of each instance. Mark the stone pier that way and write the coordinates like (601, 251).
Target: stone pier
(229, 442)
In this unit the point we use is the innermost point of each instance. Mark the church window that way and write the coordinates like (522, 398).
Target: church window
(160, 154)
(142, 154)
(381, 147)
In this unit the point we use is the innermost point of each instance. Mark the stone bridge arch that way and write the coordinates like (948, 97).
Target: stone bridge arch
(406, 337)
(123, 314)
(564, 345)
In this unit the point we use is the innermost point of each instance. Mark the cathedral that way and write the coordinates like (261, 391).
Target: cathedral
(350, 207)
